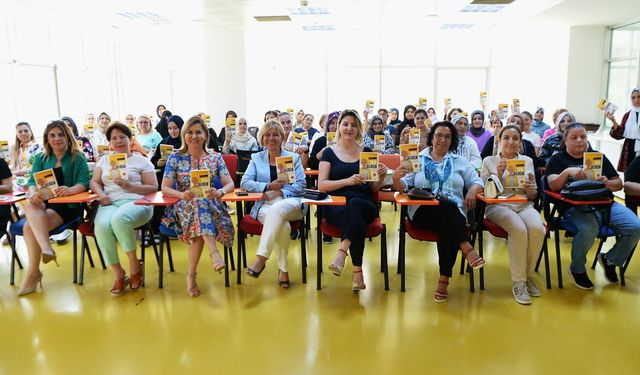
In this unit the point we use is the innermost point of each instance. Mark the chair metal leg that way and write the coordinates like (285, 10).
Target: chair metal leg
(239, 255)
(595, 258)
(558, 260)
(227, 250)
(472, 279)
(384, 260)
(547, 271)
(104, 266)
(303, 253)
(161, 263)
(481, 253)
(75, 256)
(84, 248)
(14, 258)
(171, 269)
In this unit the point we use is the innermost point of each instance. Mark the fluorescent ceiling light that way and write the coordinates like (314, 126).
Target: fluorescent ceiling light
(456, 26)
(478, 8)
(272, 18)
(308, 10)
(504, 2)
(145, 16)
(318, 28)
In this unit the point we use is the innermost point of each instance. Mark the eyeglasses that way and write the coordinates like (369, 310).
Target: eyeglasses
(439, 136)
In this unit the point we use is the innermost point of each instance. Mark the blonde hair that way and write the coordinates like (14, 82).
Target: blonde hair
(192, 121)
(271, 124)
(350, 113)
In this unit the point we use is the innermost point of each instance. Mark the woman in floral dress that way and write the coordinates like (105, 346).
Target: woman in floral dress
(198, 220)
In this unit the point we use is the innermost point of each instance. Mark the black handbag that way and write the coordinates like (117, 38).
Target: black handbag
(586, 190)
(315, 195)
(420, 194)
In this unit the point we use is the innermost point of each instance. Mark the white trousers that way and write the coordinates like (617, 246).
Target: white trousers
(275, 216)
(526, 236)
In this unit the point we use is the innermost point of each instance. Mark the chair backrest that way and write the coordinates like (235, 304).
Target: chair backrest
(253, 130)
(232, 165)
(392, 161)
(244, 157)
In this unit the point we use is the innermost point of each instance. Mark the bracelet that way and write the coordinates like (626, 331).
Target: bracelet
(223, 191)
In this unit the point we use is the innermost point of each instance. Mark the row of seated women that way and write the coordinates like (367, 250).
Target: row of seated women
(206, 220)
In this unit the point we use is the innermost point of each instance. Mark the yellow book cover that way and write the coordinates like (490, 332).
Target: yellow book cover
(4, 150)
(378, 143)
(369, 105)
(285, 168)
(409, 157)
(483, 97)
(46, 183)
(369, 166)
(607, 106)
(331, 138)
(297, 138)
(89, 129)
(79, 143)
(422, 103)
(207, 120)
(503, 111)
(118, 166)
(516, 106)
(290, 111)
(200, 182)
(103, 150)
(414, 136)
(592, 164)
(514, 175)
(230, 125)
(165, 151)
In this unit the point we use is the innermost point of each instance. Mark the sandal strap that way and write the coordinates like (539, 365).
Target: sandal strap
(357, 271)
(343, 251)
(446, 282)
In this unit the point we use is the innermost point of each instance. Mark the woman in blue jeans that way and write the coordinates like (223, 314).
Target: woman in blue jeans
(566, 166)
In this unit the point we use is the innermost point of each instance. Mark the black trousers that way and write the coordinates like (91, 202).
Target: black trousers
(352, 220)
(450, 224)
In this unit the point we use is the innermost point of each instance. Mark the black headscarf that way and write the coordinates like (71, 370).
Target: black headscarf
(175, 142)
(405, 123)
(73, 125)
(162, 125)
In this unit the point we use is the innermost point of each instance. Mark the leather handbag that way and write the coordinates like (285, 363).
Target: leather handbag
(420, 194)
(315, 195)
(493, 187)
(586, 190)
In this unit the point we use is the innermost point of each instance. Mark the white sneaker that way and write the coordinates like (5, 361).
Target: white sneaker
(520, 293)
(532, 288)
(230, 209)
(61, 237)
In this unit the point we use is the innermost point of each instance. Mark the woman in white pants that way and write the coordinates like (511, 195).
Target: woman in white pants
(520, 220)
(280, 202)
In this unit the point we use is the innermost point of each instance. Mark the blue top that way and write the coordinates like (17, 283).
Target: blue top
(539, 127)
(149, 141)
(341, 170)
(450, 177)
(258, 176)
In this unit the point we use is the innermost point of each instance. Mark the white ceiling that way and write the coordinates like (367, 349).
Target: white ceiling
(343, 14)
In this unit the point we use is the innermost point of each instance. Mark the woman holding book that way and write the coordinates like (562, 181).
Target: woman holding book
(477, 132)
(87, 147)
(117, 215)
(448, 176)
(198, 220)
(69, 166)
(520, 220)
(629, 130)
(280, 203)
(407, 121)
(97, 135)
(148, 137)
(24, 150)
(420, 118)
(339, 175)
(377, 131)
(467, 148)
(241, 140)
(567, 166)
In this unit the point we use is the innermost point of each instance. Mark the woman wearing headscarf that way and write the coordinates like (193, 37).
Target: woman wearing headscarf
(629, 130)
(407, 121)
(552, 144)
(87, 148)
(467, 148)
(161, 127)
(377, 128)
(477, 131)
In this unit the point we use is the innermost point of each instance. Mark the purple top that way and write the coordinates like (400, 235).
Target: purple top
(480, 140)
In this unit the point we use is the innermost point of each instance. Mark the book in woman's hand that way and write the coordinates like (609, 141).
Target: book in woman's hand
(118, 166)
(200, 182)
(285, 168)
(46, 183)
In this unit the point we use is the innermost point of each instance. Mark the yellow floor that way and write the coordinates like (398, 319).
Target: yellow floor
(259, 328)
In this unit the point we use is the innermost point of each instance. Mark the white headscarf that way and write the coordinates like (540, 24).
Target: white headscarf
(631, 127)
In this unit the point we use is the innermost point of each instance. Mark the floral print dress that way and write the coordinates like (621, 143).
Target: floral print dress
(199, 216)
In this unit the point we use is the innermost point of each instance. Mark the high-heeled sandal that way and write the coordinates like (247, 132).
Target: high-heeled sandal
(24, 290)
(194, 291)
(475, 261)
(46, 258)
(441, 296)
(119, 286)
(358, 286)
(283, 283)
(337, 268)
(137, 279)
(256, 274)
(218, 264)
